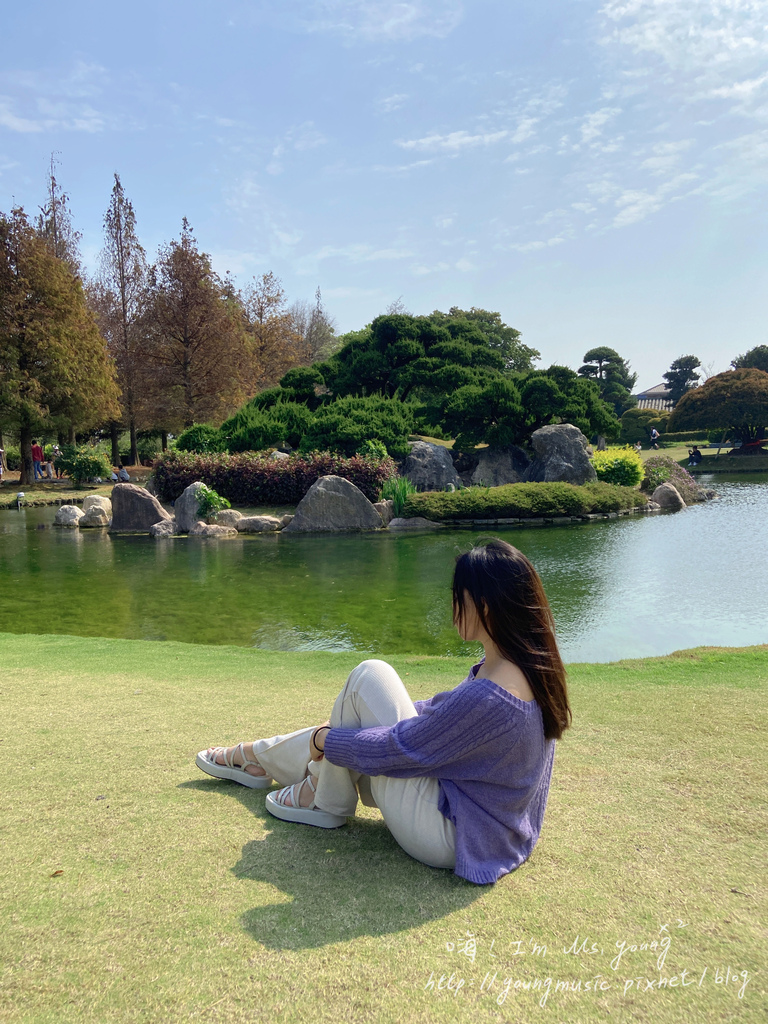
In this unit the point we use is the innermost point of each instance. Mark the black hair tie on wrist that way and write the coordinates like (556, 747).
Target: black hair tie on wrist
(314, 734)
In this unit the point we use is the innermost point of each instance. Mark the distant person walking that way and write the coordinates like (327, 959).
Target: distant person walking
(55, 453)
(38, 456)
(655, 438)
(2, 453)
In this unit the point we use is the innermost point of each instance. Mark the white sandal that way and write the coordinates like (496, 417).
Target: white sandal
(229, 770)
(311, 815)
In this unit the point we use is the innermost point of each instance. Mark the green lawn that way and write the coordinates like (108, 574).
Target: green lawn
(134, 888)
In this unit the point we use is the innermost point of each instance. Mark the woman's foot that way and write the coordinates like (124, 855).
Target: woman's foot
(297, 803)
(235, 763)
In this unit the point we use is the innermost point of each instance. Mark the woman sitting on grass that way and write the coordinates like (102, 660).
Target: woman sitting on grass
(462, 779)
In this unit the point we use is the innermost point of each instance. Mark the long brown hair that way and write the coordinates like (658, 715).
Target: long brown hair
(514, 611)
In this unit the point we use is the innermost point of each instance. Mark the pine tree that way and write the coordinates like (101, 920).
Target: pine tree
(55, 373)
(119, 298)
(54, 223)
(681, 377)
(198, 354)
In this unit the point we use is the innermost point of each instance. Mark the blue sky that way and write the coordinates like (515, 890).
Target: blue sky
(595, 170)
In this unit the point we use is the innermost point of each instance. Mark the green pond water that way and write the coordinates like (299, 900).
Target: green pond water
(629, 587)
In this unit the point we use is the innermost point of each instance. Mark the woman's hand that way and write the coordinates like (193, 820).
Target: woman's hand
(318, 736)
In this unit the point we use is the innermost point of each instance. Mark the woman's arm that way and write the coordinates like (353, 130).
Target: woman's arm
(441, 743)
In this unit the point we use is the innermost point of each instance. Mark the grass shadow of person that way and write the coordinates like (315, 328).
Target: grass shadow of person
(338, 884)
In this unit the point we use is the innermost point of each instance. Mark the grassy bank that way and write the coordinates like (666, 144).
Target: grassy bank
(136, 889)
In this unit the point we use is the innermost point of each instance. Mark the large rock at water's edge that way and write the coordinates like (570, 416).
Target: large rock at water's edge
(333, 503)
(95, 516)
(667, 495)
(98, 501)
(226, 517)
(134, 510)
(164, 529)
(416, 523)
(505, 466)
(386, 510)
(68, 516)
(429, 467)
(201, 529)
(185, 507)
(258, 524)
(561, 454)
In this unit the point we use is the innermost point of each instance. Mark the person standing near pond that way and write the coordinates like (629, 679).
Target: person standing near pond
(461, 779)
(38, 455)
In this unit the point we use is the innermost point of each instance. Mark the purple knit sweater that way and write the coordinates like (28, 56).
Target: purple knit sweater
(486, 748)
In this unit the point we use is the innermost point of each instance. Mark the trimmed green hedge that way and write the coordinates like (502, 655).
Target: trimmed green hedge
(522, 501)
(685, 435)
(258, 479)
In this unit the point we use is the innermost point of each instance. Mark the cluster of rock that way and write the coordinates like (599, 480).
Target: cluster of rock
(96, 512)
(561, 452)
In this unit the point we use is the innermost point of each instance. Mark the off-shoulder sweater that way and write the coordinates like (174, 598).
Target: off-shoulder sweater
(487, 750)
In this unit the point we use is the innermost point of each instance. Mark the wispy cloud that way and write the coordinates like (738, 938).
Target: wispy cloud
(390, 103)
(453, 141)
(302, 137)
(383, 20)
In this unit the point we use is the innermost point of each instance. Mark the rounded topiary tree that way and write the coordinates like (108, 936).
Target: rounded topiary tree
(735, 400)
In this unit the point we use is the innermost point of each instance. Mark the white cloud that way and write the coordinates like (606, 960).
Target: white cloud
(390, 103)
(299, 138)
(453, 141)
(524, 129)
(383, 20)
(15, 123)
(593, 124)
(666, 156)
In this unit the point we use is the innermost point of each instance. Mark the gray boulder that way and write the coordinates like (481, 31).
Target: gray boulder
(185, 507)
(667, 496)
(284, 520)
(495, 468)
(164, 529)
(207, 530)
(561, 454)
(68, 516)
(386, 510)
(257, 524)
(429, 467)
(333, 503)
(226, 517)
(98, 501)
(95, 516)
(417, 523)
(134, 510)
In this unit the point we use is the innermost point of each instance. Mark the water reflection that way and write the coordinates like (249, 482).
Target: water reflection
(626, 587)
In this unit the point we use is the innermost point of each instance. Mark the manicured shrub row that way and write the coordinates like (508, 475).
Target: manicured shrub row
(686, 435)
(661, 469)
(522, 501)
(259, 479)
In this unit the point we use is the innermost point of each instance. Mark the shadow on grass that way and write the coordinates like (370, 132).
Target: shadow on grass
(337, 884)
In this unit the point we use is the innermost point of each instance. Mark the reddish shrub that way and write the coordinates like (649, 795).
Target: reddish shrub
(251, 478)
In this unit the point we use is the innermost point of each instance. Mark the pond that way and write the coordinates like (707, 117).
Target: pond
(629, 587)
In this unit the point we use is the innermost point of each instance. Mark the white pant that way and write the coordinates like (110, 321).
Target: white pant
(373, 695)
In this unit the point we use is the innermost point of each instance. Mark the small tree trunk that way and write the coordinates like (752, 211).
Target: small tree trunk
(114, 436)
(134, 447)
(71, 433)
(164, 440)
(25, 445)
